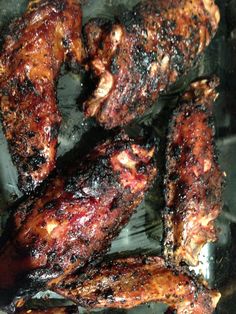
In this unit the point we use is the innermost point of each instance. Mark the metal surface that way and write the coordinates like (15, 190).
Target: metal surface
(144, 232)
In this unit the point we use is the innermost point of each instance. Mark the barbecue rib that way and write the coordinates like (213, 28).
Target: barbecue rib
(194, 180)
(142, 53)
(76, 216)
(38, 44)
(126, 283)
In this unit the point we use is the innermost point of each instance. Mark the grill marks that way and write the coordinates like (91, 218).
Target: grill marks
(30, 62)
(194, 180)
(142, 53)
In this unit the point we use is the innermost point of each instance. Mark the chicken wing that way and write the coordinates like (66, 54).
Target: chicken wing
(126, 283)
(37, 45)
(76, 216)
(194, 179)
(142, 53)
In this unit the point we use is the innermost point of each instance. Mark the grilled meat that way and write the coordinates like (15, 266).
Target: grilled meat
(76, 216)
(194, 179)
(38, 44)
(142, 53)
(126, 283)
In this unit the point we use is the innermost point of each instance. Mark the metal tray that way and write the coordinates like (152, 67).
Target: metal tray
(144, 232)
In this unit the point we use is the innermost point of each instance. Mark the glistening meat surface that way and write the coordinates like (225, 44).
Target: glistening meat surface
(126, 283)
(76, 216)
(37, 45)
(142, 53)
(193, 183)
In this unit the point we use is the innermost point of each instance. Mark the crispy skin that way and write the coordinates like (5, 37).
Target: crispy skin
(194, 180)
(127, 283)
(142, 53)
(38, 44)
(76, 216)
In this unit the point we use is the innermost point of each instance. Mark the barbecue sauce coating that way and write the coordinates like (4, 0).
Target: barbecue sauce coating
(194, 180)
(48, 34)
(126, 283)
(142, 53)
(76, 216)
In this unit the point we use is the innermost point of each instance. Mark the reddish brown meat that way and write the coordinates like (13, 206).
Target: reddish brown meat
(142, 53)
(37, 45)
(126, 283)
(194, 180)
(76, 216)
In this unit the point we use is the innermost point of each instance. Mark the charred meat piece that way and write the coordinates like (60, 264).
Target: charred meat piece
(76, 216)
(142, 53)
(37, 45)
(127, 283)
(194, 180)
